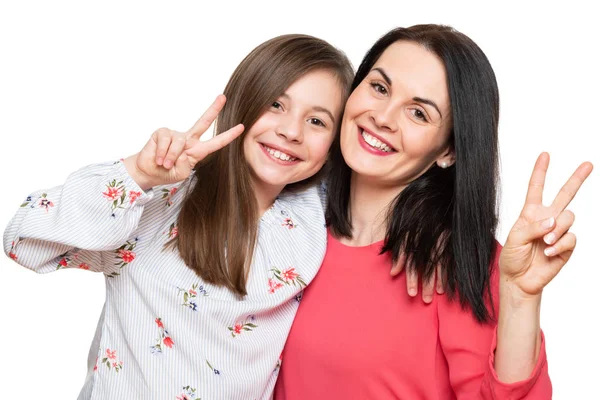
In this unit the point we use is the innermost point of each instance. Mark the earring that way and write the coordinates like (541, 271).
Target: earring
(444, 164)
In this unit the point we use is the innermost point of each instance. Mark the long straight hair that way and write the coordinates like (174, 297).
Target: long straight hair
(218, 219)
(445, 216)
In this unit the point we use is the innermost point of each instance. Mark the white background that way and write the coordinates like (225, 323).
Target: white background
(88, 83)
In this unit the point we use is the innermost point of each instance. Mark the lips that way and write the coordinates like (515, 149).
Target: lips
(374, 143)
(279, 154)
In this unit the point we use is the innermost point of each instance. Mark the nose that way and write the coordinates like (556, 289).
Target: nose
(385, 117)
(291, 128)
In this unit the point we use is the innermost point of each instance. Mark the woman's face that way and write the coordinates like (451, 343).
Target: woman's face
(290, 141)
(397, 122)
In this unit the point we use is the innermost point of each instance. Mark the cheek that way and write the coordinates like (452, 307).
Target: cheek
(420, 142)
(319, 148)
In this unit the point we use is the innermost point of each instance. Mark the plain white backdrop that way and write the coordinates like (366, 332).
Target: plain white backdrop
(88, 83)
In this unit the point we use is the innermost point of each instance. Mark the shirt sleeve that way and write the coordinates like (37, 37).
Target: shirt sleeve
(96, 210)
(469, 348)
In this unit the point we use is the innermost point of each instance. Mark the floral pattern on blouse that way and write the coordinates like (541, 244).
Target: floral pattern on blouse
(111, 361)
(115, 193)
(214, 370)
(168, 194)
(239, 327)
(42, 202)
(123, 256)
(164, 340)
(288, 276)
(190, 296)
(188, 393)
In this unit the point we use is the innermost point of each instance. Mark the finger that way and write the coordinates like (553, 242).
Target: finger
(563, 247)
(399, 265)
(538, 178)
(569, 190)
(440, 281)
(564, 221)
(175, 149)
(207, 118)
(428, 285)
(162, 137)
(412, 281)
(530, 232)
(202, 149)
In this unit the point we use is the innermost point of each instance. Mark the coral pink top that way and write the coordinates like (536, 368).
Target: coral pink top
(358, 335)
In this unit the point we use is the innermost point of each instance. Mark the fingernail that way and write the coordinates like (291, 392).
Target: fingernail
(427, 299)
(159, 160)
(550, 251)
(549, 223)
(549, 238)
(168, 164)
(412, 292)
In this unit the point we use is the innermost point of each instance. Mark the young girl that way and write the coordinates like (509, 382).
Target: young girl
(413, 176)
(205, 248)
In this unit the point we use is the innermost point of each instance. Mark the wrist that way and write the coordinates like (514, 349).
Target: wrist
(513, 296)
(139, 177)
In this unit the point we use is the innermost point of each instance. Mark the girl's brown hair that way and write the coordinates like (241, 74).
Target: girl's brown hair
(218, 220)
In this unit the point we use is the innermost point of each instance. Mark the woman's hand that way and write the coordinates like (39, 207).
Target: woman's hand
(170, 156)
(539, 244)
(412, 280)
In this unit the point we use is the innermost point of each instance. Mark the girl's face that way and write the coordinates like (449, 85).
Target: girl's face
(291, 140)
(397, 122)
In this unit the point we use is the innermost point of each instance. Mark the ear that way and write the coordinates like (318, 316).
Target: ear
(447, 158)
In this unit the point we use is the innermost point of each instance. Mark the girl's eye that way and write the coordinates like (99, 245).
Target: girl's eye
(317, 121)
(277, 105)
(419, 114)
(379, 88)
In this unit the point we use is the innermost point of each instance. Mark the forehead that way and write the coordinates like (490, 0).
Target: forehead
(320, 88)
(417, 70)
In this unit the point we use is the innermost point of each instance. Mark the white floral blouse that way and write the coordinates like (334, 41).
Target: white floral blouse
(163, 332)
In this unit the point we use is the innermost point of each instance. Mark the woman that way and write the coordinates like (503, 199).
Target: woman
(202, 275)
(414, 176)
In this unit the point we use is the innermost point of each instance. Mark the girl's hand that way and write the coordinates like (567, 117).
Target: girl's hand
(170, 156)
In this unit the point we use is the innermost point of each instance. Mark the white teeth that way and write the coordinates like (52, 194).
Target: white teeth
(280, 155)
(374, 142)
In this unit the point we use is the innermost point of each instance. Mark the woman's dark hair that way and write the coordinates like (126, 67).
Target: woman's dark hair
(446, 216)
(218, 221)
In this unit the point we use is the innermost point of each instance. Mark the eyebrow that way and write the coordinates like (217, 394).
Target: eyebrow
(316, 108)
(417, 99)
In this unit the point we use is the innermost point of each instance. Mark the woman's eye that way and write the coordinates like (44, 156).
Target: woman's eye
(276, 105)
(317, 121)
(419, 114)
(379, 88)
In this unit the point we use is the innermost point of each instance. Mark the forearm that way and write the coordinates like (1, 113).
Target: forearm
(519, 335)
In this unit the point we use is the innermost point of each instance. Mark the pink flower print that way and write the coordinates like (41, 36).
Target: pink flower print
(133, 195)
(112, 355)
(127, 255)
(124, 255)
(190, 297)
(64, 261)
(96, 365)
(111, 361)
(168, 195)
(12, 255)
(113, 193)
(289, 274)
(173, 232)
(274, 285)
(84, 266)
(164, 339)
(244, 326)
(289, 223)
(45, 203)
(168, 342)
(189, 393)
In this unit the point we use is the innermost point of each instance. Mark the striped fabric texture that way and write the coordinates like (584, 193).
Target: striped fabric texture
(163, 332)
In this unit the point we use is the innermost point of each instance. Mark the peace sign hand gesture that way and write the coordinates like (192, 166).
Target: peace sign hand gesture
(170, 156)
(539, 243)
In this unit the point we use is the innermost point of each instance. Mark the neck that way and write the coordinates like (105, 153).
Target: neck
(265, 197)
(369, 205)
